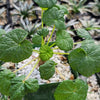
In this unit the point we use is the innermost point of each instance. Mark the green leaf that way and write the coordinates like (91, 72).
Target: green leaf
(14, 47)
(31, 85)
(69, 90)
(47, 70)
(64, 40)
(54, 16)
(83, 33)
(87, 42)
(36, 39)
(5, 81)
(60, 25)
(45, 53)
(2, 32)
(46, 3)
(63, 8)
(17, 79)
(86, 60)
(19, 88)
(43, 32)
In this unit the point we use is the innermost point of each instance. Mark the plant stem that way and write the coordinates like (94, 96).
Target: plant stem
(36, 51)
(55, 48)
(60, 74)
(77, 42)
(51, 34)
(42, 41)
(25, 65)
(59, 53)
(52, 45)
(42, 26)
(31, 71)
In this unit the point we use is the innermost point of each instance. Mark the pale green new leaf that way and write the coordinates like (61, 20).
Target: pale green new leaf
(14, 47)
(70, 90)
(86, 60)
(83, 33)
(36, 39)
(5, 81)
(47, 70)
(45, 53)
(64, 40)
(46, 3)
(54, 16)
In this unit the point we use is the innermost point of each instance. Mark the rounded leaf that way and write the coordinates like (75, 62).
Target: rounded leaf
(36, 39)
(86, 60)
(43, 32)
(14, 47)
(17, 89)
(31, 85)
(45, 53)
(53, 16)
(64, 40)
(46, 3)
(60, 25)
(5, 81)
(69, 90)
(47, 70)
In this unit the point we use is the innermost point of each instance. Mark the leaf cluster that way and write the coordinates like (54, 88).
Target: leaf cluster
(14, 47)
(14, 87)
